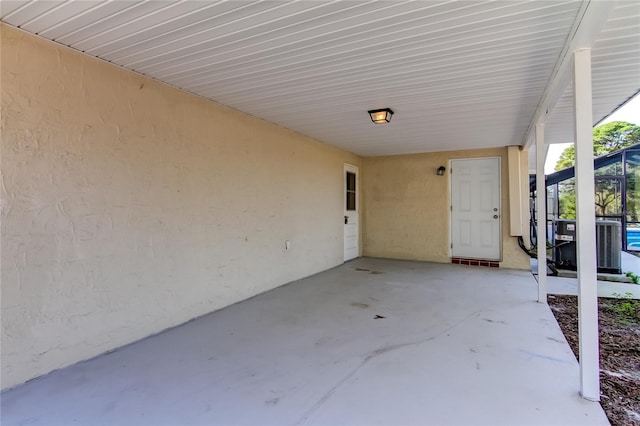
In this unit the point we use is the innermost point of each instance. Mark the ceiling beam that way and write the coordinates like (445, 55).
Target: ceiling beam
(589, 22)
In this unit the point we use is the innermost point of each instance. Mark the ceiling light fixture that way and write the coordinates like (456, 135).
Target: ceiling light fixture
(381, 116)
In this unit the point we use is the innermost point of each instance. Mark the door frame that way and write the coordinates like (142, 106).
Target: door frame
(500, 208)
(347, 167)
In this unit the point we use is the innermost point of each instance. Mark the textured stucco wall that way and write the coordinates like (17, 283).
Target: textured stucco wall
(407, 207)
(129, 207)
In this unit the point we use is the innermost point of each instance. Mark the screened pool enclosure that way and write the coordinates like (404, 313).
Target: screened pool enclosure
(617, 194)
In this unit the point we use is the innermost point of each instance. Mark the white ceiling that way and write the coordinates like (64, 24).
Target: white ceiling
(464, 74)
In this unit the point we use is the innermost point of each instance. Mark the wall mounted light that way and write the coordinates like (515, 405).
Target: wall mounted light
(381, 116)
(441, 170)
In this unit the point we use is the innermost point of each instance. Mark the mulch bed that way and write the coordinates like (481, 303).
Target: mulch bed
(619, 321)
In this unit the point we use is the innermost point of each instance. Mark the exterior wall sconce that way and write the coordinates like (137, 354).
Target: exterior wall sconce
(441, 170)
(381, 116)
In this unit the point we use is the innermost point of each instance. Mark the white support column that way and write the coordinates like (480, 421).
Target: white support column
(541, 217)
(586, 229)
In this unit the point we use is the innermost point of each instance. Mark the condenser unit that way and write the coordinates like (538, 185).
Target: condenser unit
(564, 243)
(609, 244)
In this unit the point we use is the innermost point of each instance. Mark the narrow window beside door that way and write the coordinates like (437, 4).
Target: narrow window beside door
(351, 191)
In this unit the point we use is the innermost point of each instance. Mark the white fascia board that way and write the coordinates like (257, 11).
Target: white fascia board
(588, 24)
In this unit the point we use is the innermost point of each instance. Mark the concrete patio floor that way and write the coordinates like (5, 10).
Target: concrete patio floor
(455, 345)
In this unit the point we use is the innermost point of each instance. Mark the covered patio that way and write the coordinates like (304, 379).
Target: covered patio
(165, 161)
(370, 342)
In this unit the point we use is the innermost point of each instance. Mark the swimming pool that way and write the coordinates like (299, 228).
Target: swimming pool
(633, 239)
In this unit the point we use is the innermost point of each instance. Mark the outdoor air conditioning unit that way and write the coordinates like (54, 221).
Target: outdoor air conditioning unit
(608, 245)
(564, 244)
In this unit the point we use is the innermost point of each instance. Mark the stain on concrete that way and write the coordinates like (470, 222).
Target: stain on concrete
(494, 321)
(273, 401)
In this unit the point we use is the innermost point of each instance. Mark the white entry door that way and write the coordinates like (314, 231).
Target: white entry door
(475, 208)
(351, 214)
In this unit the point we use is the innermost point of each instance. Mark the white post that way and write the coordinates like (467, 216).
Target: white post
(586, 229)
(541, 216)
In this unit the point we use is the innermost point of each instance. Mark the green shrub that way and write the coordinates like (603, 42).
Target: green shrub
(634, 278)
(627, 309)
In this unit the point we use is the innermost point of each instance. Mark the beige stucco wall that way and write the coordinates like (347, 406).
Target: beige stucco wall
(129, 206)
(407, 207)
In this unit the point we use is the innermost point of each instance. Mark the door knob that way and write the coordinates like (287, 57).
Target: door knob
(495, 216)
(346, 220)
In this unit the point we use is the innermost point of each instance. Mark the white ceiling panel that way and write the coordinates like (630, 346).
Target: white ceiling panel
(73, 21)
(361, 58)
(8, 6)
(145, 22)
(229, 23)
(170, 30)
(28, 11)
(458, 74)
(370, 45)
(118, 20)
(54, 15)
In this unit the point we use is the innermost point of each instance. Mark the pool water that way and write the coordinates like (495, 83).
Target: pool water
(633, 239)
